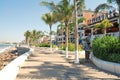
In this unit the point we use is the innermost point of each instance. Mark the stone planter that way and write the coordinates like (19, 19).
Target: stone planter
(105, 65)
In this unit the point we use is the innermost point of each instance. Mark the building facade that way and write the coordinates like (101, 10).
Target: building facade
(89, 31)
(86, 27)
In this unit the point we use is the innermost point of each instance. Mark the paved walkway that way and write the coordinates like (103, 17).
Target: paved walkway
(43, 65)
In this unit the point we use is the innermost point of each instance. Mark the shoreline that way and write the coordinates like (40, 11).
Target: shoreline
(4, 49)
(10, 54)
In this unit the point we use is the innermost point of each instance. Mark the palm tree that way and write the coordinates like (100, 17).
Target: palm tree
(97, 26)
(61, 29)
(27, 36)
(104, 24)
(78, 6)
(64, 11)
(49, 19)
(118, 4)
(53, 33)
(34, 37)
(76, 32)
(40, 34)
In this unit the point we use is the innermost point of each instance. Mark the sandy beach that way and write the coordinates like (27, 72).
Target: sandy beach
(10, 55)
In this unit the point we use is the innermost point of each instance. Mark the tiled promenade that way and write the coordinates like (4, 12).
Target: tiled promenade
(43, 65)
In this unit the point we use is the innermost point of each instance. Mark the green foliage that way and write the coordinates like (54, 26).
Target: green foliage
(71, 47)
(44, 45)
(106, 48)
(62, 47)
(54, 46)
(114, 58)
(32, 37)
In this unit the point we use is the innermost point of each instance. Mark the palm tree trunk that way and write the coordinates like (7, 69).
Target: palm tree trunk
(50, 38)
(62, 36)
(57, 37)
(66, 24)
(76, 32)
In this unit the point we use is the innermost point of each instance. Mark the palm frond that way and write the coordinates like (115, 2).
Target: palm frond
(103, 7)
(81, 19)
(49, 5)
(81, 5)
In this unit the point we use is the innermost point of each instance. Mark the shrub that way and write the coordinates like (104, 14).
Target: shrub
(54, 46)
(62, 47)
(106, 48)
(71, 47)
(44, 45)
(114, 58)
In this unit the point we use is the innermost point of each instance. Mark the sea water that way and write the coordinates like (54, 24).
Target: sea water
(3, 47)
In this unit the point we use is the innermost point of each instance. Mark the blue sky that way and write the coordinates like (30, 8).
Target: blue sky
(17, 16)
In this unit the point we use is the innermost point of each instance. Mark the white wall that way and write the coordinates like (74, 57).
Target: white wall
(10, 71)
(105, 65)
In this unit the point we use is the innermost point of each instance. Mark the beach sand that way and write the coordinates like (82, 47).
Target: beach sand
(10, 55)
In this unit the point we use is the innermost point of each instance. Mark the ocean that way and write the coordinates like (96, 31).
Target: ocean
(2, 46)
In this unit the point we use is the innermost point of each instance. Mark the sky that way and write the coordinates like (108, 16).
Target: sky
(17, 16)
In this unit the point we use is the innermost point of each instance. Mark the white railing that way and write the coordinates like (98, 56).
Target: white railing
(10, 71)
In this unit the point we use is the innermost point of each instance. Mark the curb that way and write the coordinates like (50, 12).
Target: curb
(105, 65)
(10, 71)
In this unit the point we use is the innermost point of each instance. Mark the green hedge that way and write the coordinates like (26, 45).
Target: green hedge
(44, 45)
(107, 48)
(71, 47)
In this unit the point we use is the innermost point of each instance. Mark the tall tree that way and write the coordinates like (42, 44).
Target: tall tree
(49, 19)
(76, 32)
(53, 33)
(61, 29)
(40, 34)
(78, 6)
(64, 11)
(104, 25)
(27, 36)
(34, 37)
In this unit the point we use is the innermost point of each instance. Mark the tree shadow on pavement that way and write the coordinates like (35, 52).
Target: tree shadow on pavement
(56, 69)
(88, 64)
